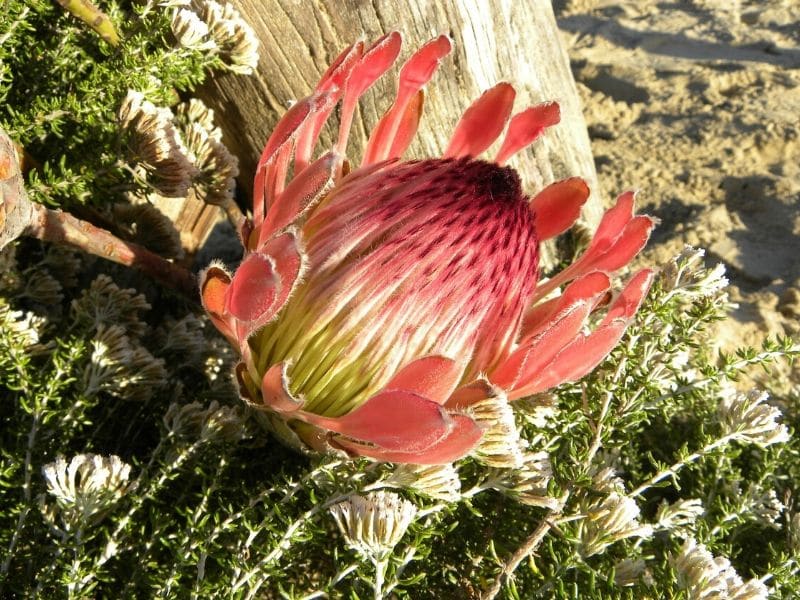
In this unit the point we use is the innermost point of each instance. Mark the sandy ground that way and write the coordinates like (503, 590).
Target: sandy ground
(697, 105)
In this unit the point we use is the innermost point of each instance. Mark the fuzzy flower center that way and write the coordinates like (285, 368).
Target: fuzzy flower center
(406, 260)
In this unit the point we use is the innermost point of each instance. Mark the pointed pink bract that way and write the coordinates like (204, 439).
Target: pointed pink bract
(462, 438)
(482, 122)
(434, 377)
(558, 206)
(394, 420)
(526, 127)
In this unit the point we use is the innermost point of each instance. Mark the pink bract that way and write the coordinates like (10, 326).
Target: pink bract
(376, 303)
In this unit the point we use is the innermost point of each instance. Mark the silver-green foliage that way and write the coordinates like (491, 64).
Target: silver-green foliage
(651, 467)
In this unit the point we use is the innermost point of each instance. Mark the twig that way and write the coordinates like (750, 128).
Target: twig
(533, 541)
(21, 217)
(93, 17)
(60, 227)
(527, 548)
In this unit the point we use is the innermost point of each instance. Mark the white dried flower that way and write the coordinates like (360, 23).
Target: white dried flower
(608, 521)
(65, 264)
(223, 423)
(628, 571)
(85, 487)
(185, 420)
(41, 287)
(212, 423)
(156, 146)
(195, 111)
(686, 275)
(527, 484)
(145, 224)
(190, 31)
(25, 325)
(217, 168)
(183, 338)
(237, 42)
(120, 367)
(373, 525)
(764, 505)
(539, 410)
(748, 418)
(435, 481)
(500, 445)
(679, 360)
(105, 303)
(679, 516)
(706, 577)
(605, 480)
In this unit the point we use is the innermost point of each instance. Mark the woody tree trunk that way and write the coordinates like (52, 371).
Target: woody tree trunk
(494, 40)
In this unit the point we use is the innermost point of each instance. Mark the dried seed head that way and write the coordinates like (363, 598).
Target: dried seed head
(41, 287)
(373, 525)
(182, 339)
(685, 274)
(608, 521)
(156, 146)
(749, 419)
(190, 31)
(606, 480)
(84, 488)
(763, 505)
(223, 424)
(104, 303)
(527, 484)
(500, 445)
(195, 111)
(217, 168)
(435, 481)
(212, 423)
(147, 225)
(678, 517)
(628, 571)
(706, 577)
(539, 409)
(65, 264)
(26, 327)
(237, 42)
(121, 367)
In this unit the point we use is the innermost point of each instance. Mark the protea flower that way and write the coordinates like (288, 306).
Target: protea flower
(377, 303)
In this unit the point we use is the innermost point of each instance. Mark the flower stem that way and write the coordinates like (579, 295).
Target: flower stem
(63, 228)
(527, 548)
(380, 574)
(675, 468)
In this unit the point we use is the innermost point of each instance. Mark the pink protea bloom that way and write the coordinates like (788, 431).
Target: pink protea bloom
(375, 305)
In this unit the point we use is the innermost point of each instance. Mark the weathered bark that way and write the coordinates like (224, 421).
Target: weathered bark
(494, 40)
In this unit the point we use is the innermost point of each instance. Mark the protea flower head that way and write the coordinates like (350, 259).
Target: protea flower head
(376, 303)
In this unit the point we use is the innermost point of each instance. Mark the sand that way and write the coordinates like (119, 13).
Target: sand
(697, 105)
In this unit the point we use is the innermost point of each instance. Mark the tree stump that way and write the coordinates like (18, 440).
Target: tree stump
(493, 41)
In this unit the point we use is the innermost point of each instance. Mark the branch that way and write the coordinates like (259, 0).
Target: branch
(528, 547)
(93, 17)
(21, 217)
